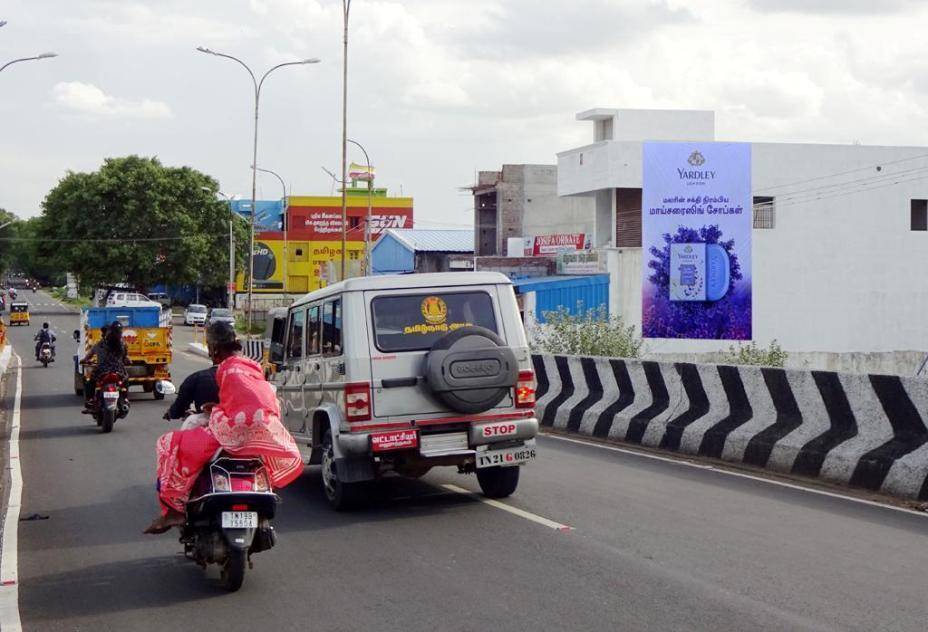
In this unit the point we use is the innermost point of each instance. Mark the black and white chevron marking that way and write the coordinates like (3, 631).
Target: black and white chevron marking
(864, 431)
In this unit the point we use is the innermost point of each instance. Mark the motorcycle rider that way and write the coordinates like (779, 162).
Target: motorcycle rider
(45, 335)
(112, 357)
(244, 422)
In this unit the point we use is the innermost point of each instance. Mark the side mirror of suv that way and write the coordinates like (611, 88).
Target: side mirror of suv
(276, 354)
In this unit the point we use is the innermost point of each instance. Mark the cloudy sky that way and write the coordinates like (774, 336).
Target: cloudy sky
(438, 88)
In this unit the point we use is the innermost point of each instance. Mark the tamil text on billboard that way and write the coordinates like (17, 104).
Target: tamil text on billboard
(696, 223)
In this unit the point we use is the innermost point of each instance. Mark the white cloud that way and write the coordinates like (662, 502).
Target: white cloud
(87, 98)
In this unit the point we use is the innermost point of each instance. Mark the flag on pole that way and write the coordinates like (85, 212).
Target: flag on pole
(361, 172)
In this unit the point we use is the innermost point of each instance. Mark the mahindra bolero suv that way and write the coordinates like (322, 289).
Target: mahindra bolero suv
(397, 374)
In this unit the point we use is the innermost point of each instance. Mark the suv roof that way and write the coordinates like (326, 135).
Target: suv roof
(406, 281)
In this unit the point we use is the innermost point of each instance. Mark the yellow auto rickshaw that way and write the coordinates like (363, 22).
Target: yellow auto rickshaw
(19, 314)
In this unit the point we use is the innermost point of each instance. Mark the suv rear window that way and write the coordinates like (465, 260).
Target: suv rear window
(413, 322)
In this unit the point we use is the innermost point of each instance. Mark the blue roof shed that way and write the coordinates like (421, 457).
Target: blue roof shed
(578, 294)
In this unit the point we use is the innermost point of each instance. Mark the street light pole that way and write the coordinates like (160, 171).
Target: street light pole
(16, 61)
(346, 8)
(286, 221)
(254, 161)
(367, 225)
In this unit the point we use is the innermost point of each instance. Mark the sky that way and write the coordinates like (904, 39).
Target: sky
(438, 89)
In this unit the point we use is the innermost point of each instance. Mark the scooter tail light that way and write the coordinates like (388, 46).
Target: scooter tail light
(358, 401)
(525, 390)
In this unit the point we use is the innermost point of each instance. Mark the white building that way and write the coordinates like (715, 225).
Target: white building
(840, 243)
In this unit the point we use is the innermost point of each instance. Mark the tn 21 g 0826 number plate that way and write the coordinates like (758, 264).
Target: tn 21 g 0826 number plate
(516, 455)
(239, 519)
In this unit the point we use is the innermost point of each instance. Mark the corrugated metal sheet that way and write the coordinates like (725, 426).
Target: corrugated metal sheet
(428, 240)
(391, 256)
(577, 294)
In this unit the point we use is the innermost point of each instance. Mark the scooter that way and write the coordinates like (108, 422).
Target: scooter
(45, 354)
(228, 517)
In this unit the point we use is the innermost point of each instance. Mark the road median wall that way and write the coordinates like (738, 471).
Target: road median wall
(866, 431)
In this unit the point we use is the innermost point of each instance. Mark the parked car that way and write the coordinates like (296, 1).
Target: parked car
(130, 299)
(413, 372)
(195, 314)
(221, 315)
(160, 297)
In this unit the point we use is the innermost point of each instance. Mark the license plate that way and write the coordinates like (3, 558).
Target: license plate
(506, 457)
(239, 519)
(110, 395)
(400, 440)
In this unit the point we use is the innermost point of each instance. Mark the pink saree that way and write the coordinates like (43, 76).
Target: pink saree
(246, 422)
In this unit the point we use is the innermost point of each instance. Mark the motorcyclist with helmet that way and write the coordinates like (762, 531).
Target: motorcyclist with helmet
(45, 335)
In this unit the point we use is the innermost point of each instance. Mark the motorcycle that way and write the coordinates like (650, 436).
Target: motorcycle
(228, 516)
(111, 399)
(45, 354)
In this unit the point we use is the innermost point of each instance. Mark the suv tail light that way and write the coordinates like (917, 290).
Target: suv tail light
(525, 390)
(358, 401)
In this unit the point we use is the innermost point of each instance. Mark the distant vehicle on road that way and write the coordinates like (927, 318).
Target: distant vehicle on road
(160, 297)
(220, 315)
(195, 314)
(130, 299)
(413, 372)
(19, 313)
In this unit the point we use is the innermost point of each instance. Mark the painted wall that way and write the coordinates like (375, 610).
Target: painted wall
(389, 256)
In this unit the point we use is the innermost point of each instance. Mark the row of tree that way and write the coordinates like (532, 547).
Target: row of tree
(132, 221)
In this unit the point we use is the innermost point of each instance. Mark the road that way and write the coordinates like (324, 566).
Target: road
(655, 545)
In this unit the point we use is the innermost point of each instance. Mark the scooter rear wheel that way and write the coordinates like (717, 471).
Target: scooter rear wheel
(233, 571)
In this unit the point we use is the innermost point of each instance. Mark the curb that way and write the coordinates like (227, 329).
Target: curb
(198, 348)
(859, 430)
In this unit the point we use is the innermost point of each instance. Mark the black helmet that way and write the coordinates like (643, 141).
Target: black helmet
(44, 325)
(220, 336)
(115, 327)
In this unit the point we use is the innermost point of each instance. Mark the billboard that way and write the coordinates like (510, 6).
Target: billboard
(696, 238)
(553, 244)
(320, 218)
(269, 217)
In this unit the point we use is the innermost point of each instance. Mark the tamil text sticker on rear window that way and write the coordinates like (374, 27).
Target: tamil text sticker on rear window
(411, 322)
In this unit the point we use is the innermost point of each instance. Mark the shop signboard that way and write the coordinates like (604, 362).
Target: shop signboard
(581, 262)
(553, 244)
(696, 225)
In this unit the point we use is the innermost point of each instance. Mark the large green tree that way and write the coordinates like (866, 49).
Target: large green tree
(7, 220)
(136, 221)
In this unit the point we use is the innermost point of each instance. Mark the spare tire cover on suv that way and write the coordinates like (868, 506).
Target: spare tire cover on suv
(471, 369)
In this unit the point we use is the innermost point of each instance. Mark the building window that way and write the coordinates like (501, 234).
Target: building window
(354, 222)
(353, 255)
(764, 212)
(919, 214)
(299, 252)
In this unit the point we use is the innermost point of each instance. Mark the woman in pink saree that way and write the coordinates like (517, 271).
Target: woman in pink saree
(245, 422)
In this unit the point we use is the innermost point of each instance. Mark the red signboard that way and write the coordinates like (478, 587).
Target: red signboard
(325, 223)
(552, 244)
(398, 440)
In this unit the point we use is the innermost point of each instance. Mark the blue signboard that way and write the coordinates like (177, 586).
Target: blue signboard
(269, 217)
(696, 224)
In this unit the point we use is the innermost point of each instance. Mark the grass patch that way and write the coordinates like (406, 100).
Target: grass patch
(61, 294)
(241, 325)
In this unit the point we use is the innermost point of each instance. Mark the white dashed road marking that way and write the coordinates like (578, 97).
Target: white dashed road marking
(551, 524)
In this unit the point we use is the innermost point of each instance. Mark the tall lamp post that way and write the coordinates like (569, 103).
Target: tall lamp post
(346, 8)
(367, 225)
(286, 222)
(16, 61)
(258, 83)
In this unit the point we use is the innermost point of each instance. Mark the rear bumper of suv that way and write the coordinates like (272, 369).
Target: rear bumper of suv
(479, 433)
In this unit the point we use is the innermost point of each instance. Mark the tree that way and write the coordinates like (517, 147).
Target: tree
(136, 221)
(6, 249)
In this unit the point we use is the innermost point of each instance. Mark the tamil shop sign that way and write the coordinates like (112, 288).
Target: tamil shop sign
(696, 222)
(553, 244)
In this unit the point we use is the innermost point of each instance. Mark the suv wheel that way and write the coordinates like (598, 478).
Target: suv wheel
(498, 482)
(341, 496)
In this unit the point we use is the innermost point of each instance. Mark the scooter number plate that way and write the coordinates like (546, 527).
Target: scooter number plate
(110, 395)
(239, 519)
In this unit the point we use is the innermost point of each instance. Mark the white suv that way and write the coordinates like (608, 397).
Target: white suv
(404, 373)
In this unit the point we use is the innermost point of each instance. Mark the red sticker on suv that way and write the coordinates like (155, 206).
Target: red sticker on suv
(499, 430)
(397, 440)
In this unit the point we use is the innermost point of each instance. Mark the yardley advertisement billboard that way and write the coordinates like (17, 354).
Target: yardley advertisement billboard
(696, 237)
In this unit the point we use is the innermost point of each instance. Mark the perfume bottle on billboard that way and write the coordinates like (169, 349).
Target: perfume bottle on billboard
(698, 272)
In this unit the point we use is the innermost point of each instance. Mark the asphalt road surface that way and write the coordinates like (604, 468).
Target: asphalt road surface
(654, 546)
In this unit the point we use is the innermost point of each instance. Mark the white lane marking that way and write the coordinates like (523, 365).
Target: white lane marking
(760, 479)
(557, 526)
(9, 580)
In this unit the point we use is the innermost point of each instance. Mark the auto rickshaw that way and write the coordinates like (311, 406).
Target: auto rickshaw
(19, 314)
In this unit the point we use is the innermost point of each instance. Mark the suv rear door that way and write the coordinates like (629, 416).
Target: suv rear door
(404, 324)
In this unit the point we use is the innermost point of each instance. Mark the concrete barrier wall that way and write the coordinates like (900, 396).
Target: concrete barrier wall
(865, 431)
